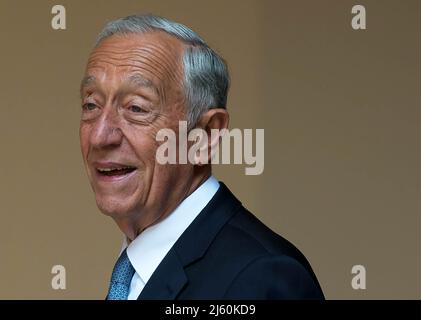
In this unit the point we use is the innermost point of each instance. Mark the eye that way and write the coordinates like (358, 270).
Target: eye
(137, 109)
(89, 106)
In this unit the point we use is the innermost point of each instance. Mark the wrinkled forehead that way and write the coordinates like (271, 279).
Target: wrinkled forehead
(156, 56)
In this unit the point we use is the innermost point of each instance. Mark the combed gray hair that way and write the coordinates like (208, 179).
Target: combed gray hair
(206, 77)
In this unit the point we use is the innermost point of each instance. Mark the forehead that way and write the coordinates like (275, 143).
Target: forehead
(155, 55)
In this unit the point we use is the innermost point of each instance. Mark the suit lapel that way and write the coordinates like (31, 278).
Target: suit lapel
(170, 278)
(167, 280)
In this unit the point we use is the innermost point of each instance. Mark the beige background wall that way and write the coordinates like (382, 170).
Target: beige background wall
(340, 109)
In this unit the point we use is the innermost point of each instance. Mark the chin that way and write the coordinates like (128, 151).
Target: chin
(115, 208)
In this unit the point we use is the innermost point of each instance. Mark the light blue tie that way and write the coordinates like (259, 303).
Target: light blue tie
(120, 279)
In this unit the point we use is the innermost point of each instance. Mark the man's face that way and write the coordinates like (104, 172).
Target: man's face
(132, 88)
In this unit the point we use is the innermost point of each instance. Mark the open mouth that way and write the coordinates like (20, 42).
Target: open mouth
(117, 171)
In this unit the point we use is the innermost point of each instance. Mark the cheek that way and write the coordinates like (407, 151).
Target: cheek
(143, 145)
(84, 139)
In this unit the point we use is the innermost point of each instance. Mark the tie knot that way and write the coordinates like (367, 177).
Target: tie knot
(121, 277)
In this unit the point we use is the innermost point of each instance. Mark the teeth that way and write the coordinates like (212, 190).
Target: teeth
(111, 169)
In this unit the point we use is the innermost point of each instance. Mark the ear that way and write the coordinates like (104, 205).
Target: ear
(213, 120)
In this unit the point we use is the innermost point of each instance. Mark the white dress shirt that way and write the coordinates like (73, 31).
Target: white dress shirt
(150, 247)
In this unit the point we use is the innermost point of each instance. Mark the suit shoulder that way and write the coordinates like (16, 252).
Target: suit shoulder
(247, 228)
(268, 260)
(274, 277)
(245, 237)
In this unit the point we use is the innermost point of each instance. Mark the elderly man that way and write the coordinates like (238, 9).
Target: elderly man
(186, 235)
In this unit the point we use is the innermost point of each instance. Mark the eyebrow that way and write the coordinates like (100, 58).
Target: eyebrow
(135, 80)
(86, 82)
(140, 81)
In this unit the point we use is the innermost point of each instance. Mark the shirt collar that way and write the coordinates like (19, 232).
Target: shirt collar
(150, 247)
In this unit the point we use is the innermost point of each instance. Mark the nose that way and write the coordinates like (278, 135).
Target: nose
(106, 132)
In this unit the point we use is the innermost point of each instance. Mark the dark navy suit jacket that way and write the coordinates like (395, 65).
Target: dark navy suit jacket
(227, 253)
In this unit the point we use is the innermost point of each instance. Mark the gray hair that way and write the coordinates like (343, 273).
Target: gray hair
(206, 79)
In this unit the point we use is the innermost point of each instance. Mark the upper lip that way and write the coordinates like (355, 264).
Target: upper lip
(111, 165)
